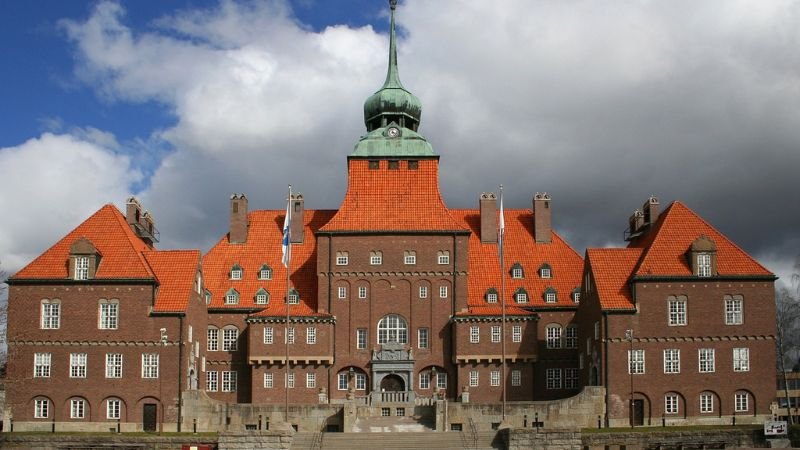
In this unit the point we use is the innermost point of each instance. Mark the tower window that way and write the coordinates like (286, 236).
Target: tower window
(394, 165)
(374, 165)
(413, 165)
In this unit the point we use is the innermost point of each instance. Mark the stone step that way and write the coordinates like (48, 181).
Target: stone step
(404, 440)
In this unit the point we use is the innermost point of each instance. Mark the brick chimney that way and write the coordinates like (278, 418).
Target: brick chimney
(635, 222)
(650, 210)
(141, 222)
(488, 209)
(542, 224)
(298, 210)
(133, 211)
(238, 228)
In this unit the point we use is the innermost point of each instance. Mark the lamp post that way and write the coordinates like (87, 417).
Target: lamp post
(164, 340)
(629, 338)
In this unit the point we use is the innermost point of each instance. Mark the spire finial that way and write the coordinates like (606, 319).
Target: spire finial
(392, 75)
(392, 4)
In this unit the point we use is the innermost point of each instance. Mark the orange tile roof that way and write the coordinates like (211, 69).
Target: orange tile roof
(494, 311)
(263, 246)
(393, 200)
(120, 248)
(519, 247)
(175, 271)
(611, 269)
(674, 231)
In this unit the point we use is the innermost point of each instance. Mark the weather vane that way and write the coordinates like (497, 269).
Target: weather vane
(392, 4)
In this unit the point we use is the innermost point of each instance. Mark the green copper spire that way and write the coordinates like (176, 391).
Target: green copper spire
(392, 74)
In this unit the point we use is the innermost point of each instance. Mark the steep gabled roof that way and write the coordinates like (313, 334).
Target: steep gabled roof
(666, 246)
(611, 269)
(176, 272)
(120, 250)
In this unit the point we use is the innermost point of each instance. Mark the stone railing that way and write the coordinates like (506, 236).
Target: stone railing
(377, 398)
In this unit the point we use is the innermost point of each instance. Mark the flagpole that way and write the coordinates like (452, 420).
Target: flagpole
(287, 262)
(502, 304)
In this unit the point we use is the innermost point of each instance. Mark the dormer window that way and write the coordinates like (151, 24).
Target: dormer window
(521, 296)
(342, 258)
(293, 297)
(550, 295)
(236, 272)
(262, 297)
(703, 265)
(232, 297)
(517, 272)
(491, 295)
(208, 297)
(703, 257)
(83, 260)
(545, 272)
(576, 295)
(81, 267)
(265, 273)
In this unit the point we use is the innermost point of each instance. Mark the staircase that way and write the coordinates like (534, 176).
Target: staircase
(307, 440)
(400, 441)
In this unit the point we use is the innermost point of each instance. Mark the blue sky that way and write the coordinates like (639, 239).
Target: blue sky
(600, 104)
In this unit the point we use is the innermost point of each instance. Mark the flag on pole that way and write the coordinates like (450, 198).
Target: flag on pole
(502, 226)
(287, 225)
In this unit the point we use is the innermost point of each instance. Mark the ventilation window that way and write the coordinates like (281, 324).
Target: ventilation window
(394, 165)
(413, 165)
(374, 165)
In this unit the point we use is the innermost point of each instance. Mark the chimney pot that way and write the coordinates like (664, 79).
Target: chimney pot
(488, 210)
(237, 234)
(542, 218)
(298, 213)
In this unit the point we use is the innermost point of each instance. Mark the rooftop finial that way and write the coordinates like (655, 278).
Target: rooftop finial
(392, 76)
(393, 4)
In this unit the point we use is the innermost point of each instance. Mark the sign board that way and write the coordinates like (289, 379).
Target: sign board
(775, 428)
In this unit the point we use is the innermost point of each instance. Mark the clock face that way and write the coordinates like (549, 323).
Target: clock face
(393, 132)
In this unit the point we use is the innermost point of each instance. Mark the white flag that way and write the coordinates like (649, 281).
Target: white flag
(286, 244)
(502, 227)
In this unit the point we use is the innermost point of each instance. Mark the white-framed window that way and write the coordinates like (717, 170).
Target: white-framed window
(212, 381)
(553, 336)
(733, 310)
(521, 297)
(705, 358)
(474, 334)
(392, 328)
(232, 297)
(41, 408)
(443, 291)
(517, 272)
(703, 265)
(545, 272)
(706, 403)
(342, 381)
(262, 297)
(265, 273)
(269, 380)
(342, 258)
(672, 360)
(229, 381)
(494, 378)
(77, 365)
(149, 365)
(113, 365)
(290, 335)
(677, 310)
(293, 298)
(311, 380)
(422, 338)
(741, 359)
(441, 380)
(671, 404)
(576, 297)
(212, 341)
(109, 315)
(342, 292)
(362, 292)
(41, 365)
(571, 378)
(113, 408)
(473, 378)
(77, 408)
(491, 297)
(516, 378)
(443, 257)
(516, 333)
(361, 381)
(376, 258)
(571, 336)
(423, 292)
(82, 268)
(361, 338)
(597, 330)
(230, 336)
(311, 335)
(550, 296)
(51, 314)
(425, 380)
(495, 333)
(741, 401)
(236, 273)
(553, 378)
(409, 257)
(636, 361)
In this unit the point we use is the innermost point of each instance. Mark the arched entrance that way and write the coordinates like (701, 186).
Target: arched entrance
(392, 383)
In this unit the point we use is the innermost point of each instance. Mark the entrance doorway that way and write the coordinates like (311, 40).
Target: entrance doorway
(392, 383)
(150, 417)
(638, 412)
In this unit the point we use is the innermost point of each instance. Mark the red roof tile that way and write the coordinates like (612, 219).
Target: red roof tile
(611, 269)
(111, 235)
(175, 271)
(393, 200)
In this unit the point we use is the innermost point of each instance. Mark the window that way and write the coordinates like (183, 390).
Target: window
(51, 314)
(422, 338)
(553, 378)
(41, 365)
(545, 272)
(374, 165)
(212, 381)
(441, 380)
(113, 408)
(571, 378)
(474, 334)
(376, 258)
(229, 337)
(311, 335)
(342, 378)
(677, 310)
(269, 380)
(109, 315)
(232, 297)
(82, 268)
(361, 338)
(212, 343)
(517, 272)
(733, 310)
(423, 292)
(413, 164)
(394, 165)
(386, 412)
(362, 292)
(494, 378)
(550, 295)
(424, 380)
(392, 328)
(706, 403)
(150, 365)
(342, 258)
(576, 296)
(703, 265)
(41, 408)
(706, 360)
(741, 400)
(516, 333)
(443, 291)
(741, 359)
(77, 365)
(491, 296)
(361, 381)
(113, 365)
(410, 257)
(516, 378)
(571, 339)
(342, 292)
(495, 333)
(443, 257)
(262, 297)
(311, 380)
(77, 408)
(473, 378)
(289, 335)
(671, 404)
(672, 360)
(228, 381)
(293, 297)
(553, 334)
(236, 272)
(597, 330)
(265, 273)
(635, 361)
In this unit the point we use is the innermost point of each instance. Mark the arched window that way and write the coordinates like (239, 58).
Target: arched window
(553, 333)
(392, 328)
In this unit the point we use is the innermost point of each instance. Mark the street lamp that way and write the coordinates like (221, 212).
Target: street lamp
(164, 340)
(629, 338)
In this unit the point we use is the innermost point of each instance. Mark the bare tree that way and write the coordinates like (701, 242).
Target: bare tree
(787, 316)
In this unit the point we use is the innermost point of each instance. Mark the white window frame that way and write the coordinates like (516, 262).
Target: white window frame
(41, 408)
(229, 380)
(443, 257)
(113, 408)
(571, 336)
(474, 378)
(311, 380)
(423, 292)
(237, 273)
(494, 378)
(422, 338)
(474, 334)
(741, 402)
(553, 336)
(42, 365)
(553, 378)
(232, 297)
(550, 297)
(342, 292)
(521, 297)
(212, 339)
(704, 265)
(410, 257)
(495, 333)
(342, 381)
(81, 268)
(150, 365)
(706, 403)
(425, 380)
(741, 359)
(443, 291)
(77, 408)
(671, 404)
(289, 338)
(77, 365)
(269, 335)
(517, 273)
(706, 360)
(362, 292)
(361, 338)
(230, 338)
(491, 297)
(108, 318)
(311, 335)
(441, 380)
(265, 274)
(262, 298)
(672, 360)
(516, 377)
(392, 328)
(51, 315)
(212, 381)
(545, 273)
(269, 380)
(288, 379)
(376, 258)
(293, 298)
(676, 310)
(571, 378)
(342, 258)
(636, 362)
(361, 381)
(113, 365)
(516, 333)
(734, 310)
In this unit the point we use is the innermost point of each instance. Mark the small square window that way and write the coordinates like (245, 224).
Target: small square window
(550, 297)
(413, 164)
(410, 257)
(443, 257)
(386, 412)
(545, 272)
(491, 298)
(374, 165)
(394, 165)
(236, 273)
(342, 258)
(521, 297)
(516, 272)
(376, 258)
